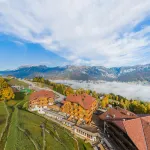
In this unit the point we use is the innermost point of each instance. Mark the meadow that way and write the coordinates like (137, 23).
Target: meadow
(3, 118)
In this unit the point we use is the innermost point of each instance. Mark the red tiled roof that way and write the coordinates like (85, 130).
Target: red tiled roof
(42, 93)
(120, 124)
(84, 100)
(116, 114)
(138, 130)
(146, 130)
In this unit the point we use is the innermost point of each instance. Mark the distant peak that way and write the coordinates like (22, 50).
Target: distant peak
(29, 66)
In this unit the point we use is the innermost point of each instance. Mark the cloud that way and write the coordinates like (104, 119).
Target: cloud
(91, 32)
(19, 43)
(128, 90)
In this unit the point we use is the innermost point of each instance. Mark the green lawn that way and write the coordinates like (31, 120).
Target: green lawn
(52, 144)
(13, 132)
(62, 135)
(31, 123)
(11, 103)
(17, 139)
(53, 141)
(3, 117)
(84, 146)
(23, 142)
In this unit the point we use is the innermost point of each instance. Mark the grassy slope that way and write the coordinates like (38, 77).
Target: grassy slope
(17, 82)
(3, 117)
(61, 135)
(53, 142)
(16, 138)
(84, 146)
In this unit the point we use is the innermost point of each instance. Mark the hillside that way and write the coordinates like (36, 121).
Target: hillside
(22, 129)
(123, 74)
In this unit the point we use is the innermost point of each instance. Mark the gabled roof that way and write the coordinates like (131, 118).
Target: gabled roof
(84, 100)
(42, 93)
(120, 124)
(117, 114)
(138, 130)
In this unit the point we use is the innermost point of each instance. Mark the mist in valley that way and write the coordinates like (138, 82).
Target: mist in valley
(138, 91)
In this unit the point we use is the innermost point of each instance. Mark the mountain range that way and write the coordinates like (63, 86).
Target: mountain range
(123, 74)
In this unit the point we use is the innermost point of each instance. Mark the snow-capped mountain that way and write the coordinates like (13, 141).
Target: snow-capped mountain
(125, 74)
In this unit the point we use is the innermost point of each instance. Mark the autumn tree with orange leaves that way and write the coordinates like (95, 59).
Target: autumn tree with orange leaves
(6, 92)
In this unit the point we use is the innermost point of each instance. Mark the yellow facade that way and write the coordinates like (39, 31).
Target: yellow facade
(42, 101)
(77, 112)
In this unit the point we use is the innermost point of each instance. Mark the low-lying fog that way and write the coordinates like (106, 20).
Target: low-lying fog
(128, 90)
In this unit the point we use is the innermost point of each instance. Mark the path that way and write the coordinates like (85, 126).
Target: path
(6, 120)
(62, 126)
(57, 139)
(44, 141)
(29, 137)
(16, 109)
(25, 104)
(75, 140)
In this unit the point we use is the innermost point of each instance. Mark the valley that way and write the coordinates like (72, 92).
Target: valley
(130, 90)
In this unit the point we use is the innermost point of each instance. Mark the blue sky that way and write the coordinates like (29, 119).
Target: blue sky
(16, 53)
(106, 33)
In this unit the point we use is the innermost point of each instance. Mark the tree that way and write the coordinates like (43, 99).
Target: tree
(95, 95)
(127, 103)
(148, 108)
(116, 98)
(69, 91)
(6, 92)
(141, 109)
(88, 92)
(3, 83)
(110, 96)
(104, 102)
(138, 107)
(122, 104)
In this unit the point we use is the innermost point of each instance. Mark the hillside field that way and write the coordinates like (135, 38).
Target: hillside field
(17, 82)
